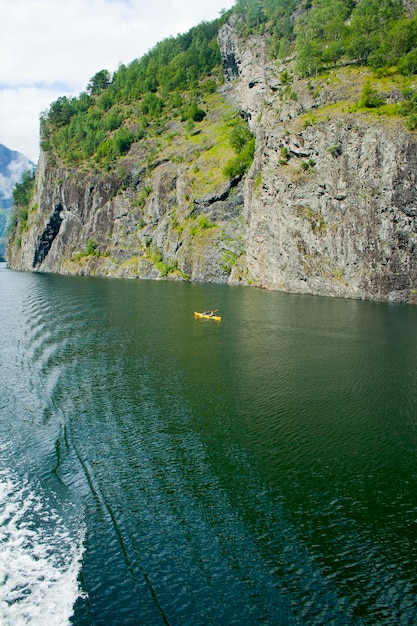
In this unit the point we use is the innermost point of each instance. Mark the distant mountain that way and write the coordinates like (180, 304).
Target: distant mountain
(12, 167)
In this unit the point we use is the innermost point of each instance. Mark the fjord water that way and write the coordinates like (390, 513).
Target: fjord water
(159, 469)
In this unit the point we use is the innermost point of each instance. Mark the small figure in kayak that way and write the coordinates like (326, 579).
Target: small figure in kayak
(208, 315)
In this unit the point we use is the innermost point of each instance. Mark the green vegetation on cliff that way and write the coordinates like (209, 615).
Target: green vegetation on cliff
(22, 195)
(169, 82)
(173, 80)
(322, 33)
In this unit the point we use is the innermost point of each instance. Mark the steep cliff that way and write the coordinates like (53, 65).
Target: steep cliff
(331, 201)
(168, 210)
(328, 207)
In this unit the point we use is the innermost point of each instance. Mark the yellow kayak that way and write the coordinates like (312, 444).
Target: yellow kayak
(208, 316)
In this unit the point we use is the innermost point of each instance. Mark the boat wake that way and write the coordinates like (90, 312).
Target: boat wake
(40, 557)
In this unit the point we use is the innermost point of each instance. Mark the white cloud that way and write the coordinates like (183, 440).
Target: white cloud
(19, 120)
(52, 48)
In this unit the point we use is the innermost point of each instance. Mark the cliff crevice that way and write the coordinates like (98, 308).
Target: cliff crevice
(46, 239)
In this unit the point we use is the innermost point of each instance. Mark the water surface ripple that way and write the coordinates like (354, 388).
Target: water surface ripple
(168, 470)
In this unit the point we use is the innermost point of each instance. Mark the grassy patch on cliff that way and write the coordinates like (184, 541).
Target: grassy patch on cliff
(197, 226)
(361, 91)
(205, 147)
(207, 174)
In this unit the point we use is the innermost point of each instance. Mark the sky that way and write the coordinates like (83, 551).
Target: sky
(51, 48)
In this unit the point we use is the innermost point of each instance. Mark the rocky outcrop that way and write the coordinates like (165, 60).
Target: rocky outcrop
(329, 206)
(341, 223)
(133, 224)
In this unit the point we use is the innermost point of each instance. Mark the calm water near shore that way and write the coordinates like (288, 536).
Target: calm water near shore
(159, 469)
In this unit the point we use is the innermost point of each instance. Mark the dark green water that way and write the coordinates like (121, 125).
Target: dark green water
(158, 469)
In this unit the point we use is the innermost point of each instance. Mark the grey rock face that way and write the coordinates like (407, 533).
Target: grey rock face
(75, 211)
(330, 203)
